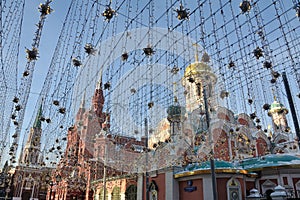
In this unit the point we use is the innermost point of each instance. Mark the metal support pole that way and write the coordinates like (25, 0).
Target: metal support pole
(104, 170)
(50, 192)
(146, 144)
(291, 103)
(212, 160)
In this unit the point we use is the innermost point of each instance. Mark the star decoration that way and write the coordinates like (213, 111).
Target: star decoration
(182, 13)
(108, 13)
(266, 106)
(45, 9)
(89, 49)
(76, 62)
(245, 6)
(32, 54)
(150, 105)
(124, 56)
(174, 70)
(107, 86)
(26, 73)
(231, 64)
(267, 64)
(148, 50)
(258, 52)
(16, 100)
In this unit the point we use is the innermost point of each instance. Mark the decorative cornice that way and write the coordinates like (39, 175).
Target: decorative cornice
(208, 171)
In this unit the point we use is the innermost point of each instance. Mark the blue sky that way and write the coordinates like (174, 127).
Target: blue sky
(50, 34)
(48, 42)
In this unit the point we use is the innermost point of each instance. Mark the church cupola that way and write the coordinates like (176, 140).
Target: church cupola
(278, 113)
(198, 76)
(175, 116)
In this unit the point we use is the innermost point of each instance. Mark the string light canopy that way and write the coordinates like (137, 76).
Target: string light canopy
(137, 50)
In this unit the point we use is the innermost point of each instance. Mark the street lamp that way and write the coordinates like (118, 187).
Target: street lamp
(7, 192)
(51, 184)
(5, 181)
(57, 179)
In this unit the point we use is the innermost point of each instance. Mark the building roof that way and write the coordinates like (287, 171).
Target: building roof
(273, 160)
(243, 167)
(204, 168)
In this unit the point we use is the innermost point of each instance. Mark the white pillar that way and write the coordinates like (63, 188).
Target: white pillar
(32, 192)
(229, 147)
(171, 187)
(207, 187)
(22, 185)
(140, 187)
(122, 196)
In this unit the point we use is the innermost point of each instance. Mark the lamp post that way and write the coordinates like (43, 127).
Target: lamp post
(51, 184)
(212, 159)
(7, 191)
(57, 179)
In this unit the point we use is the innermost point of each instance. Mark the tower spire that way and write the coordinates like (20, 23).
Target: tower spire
(274, 96)
(196, 52)
(37, 122)
(31, 152)
(82, 103)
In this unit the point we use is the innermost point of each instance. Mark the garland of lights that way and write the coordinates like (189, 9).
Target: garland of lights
(242, 50)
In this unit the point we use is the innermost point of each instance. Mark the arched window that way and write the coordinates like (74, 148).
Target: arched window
(101, 194)
(234, 190)
(198, 89)
(116, 194)
(153, 194)
(130, 193)
(268, 186)
(298, 189)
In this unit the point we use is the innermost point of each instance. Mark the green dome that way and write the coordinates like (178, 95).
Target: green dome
(175, 113)
(277, 107)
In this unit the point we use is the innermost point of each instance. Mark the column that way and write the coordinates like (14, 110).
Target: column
(171, 187)
(140, 187)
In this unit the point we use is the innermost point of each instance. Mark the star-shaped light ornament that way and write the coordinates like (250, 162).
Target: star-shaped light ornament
(45, 9)
(76, 62)
(231, 64)
(182, 13)
(258, 52)
(175, 70)
(32, 54)
(89, 49)
(108, 13)
(124, 56)
(245, 6)
(148, 51)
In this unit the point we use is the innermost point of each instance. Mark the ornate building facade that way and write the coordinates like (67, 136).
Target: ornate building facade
(29, 179)
(173, 162)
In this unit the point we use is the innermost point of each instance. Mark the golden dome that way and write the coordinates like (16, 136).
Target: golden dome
(197, 68)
